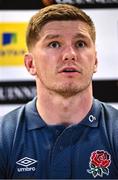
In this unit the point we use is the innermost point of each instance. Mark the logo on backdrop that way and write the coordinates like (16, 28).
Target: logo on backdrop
(17, 92)
(12, 43)
(9, 38)
(80, 2)
(48, 2)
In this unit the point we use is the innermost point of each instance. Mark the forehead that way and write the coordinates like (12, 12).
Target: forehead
(64, 28)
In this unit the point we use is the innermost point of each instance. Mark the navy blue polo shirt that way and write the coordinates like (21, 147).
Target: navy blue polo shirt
(31, 149)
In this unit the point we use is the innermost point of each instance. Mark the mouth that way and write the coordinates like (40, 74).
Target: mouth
(69, 70)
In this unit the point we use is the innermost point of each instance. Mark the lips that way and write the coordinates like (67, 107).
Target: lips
(69, 70)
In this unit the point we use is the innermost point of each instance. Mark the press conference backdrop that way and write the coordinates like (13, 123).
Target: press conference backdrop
(17, 86)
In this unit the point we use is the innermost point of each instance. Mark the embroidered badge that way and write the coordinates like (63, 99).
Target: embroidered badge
(100, 160)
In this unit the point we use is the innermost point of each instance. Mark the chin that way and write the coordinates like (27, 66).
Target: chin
(67, 91)
(72, 89)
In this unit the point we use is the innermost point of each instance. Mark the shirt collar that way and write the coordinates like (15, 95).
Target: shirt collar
(92, 118)
(34, 120)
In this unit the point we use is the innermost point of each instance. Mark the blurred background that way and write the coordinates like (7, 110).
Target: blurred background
(17, 86)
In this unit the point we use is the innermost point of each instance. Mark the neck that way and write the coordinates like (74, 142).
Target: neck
(55, 109)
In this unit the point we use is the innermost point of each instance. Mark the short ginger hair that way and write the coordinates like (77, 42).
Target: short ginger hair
(56, 12)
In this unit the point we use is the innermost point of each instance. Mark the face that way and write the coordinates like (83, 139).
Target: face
(64, 58)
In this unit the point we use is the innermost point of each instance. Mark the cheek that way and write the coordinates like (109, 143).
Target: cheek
(44, 68)
(40, 61)
(89, 64)
(92, 61)
(46, 61)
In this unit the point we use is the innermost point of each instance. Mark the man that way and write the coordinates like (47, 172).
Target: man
(63, 133)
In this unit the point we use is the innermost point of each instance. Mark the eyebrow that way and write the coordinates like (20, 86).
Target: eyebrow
(80, 35)
(51, 36)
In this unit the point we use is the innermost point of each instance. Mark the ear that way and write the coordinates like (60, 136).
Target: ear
(96, 63)
(29, 63)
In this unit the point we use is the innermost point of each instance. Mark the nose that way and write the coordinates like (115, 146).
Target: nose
(69, 54)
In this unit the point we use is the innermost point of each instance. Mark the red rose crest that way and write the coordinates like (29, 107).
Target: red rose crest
(100, 160)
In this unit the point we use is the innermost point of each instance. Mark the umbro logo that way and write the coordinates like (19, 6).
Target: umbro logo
(26, 162)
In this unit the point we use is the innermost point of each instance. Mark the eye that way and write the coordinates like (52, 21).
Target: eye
(54, 44)
(80, 44)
